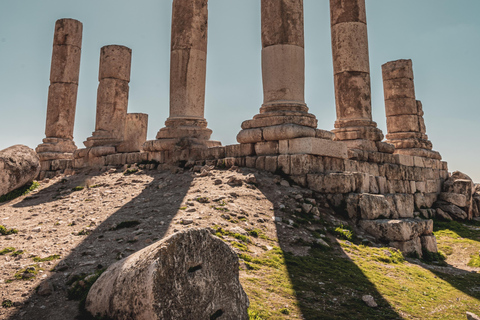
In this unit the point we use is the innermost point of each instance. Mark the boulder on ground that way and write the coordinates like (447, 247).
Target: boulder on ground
(397, 230)
(189, 275)
(19, 165)
(452, 210)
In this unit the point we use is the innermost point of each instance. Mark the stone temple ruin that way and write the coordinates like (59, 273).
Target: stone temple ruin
(383, 185)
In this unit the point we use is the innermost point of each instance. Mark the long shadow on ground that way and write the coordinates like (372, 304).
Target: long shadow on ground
(327, 284)
(118, 236)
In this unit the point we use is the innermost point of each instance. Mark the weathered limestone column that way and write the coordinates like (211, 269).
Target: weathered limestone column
(186, 125)
(112, 96)
(405, 123)
(351, 67)
(62, 93)
(284, 114)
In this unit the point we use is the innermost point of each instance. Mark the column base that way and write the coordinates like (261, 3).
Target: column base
(357, 130)
(182, 133)
(101, 138)
(55, 149)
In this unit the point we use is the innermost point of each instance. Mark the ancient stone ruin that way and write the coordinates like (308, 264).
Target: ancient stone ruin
(385, 186)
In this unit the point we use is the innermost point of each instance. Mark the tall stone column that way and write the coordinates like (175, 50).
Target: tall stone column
(62, 93)
(284, 113)
(186, 125)
(351, 67)
(405, 123)
(112, 96)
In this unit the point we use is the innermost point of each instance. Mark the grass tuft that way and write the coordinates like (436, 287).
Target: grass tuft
(26, 189)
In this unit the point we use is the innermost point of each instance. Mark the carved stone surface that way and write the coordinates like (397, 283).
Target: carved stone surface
(190, 274)
(18, 165)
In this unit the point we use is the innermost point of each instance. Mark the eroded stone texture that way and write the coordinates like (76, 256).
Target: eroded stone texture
(186, 126)
(112, 96)
(135, 132)
(189, 275)
(62, 93)
(352, 74)
(284, 113)
(405, 123)
(18, 165)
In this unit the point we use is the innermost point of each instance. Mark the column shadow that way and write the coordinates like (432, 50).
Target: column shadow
(327, 283)
(136, 224)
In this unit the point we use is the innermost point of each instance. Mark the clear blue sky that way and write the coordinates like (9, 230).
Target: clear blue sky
(442, 37)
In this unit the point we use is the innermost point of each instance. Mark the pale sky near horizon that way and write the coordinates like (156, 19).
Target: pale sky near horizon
(442, 37)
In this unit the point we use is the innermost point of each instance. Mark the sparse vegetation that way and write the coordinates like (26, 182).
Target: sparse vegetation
(6, 250)
(78, 188)
(130, 171)
(49, 258)
(4, 231)
(7, 303)
(26, 189)
(344, 232)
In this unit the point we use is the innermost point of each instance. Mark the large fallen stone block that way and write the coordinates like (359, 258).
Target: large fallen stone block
(189, 275)
(459, 200)
(397, 230)
(19, 165)
(452, 210)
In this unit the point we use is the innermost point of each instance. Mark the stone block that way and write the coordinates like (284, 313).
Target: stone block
(353, 89)
(260, 163)
(402, 123)
(135, 133)
(352, 207)
(157, 156)
(290, 31)
(240, 150)
(420, 186)
(305, 163)
(60, 118)
(115, 62)
(382, 184)
(405, 160)
(65, 66)
(362, 144)
(271, 163)
(419, 162)
(402, 88)
(250, 135)
(404, 204)
(284, 163)
(351, 165)
(362, 182)
(287, 131)
(409, 247)
(315, 146)
(374, 189)
(397, 69)
(459, 200)
(283, 67)
(385, 147)
(250, 162)
(333, 164)
(100, 151)
(429, 243)
(347, 11)
(266, 148)
(372, 207)
(433, 186)
(397, 230)
(68, 32)
(301, 180)
(324, 134)
(400, 106)
(348, 44)
(332, 182)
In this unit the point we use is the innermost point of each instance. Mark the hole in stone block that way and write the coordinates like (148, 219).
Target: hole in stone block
(217, 314)
(196, 268)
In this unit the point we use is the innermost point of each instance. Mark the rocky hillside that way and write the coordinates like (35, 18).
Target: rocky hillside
(299, 259)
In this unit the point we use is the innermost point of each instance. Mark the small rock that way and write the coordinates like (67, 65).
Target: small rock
(37, 229)
(187, 221)
(277, 219)
(307, 207)
(368, 299)
(472, 316)
(218, 181)
(284, 183)
(251, 179)
(322, 242)
(45, 288)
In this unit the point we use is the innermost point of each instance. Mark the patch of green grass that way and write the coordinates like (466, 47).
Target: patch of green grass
(344, 232)
(49, 258)
(219, 232)
(125, 224)
(220, 208)
(31, 270)
(5, 232)
(83, 232)
(183, 208)
(26, 189)
(447, 250)
(78, 188)
(284, 311)
(202, 199)
(130, 171)
(239, 246)
(6, 250)
(455, 229)
(7, 303)
(17, 253)
(474, 260)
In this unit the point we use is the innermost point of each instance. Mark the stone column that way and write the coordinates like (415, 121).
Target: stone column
(112, 96)
(351, 68)
(62, 93)
(186, 125)
(405, 123)
(284, 114)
